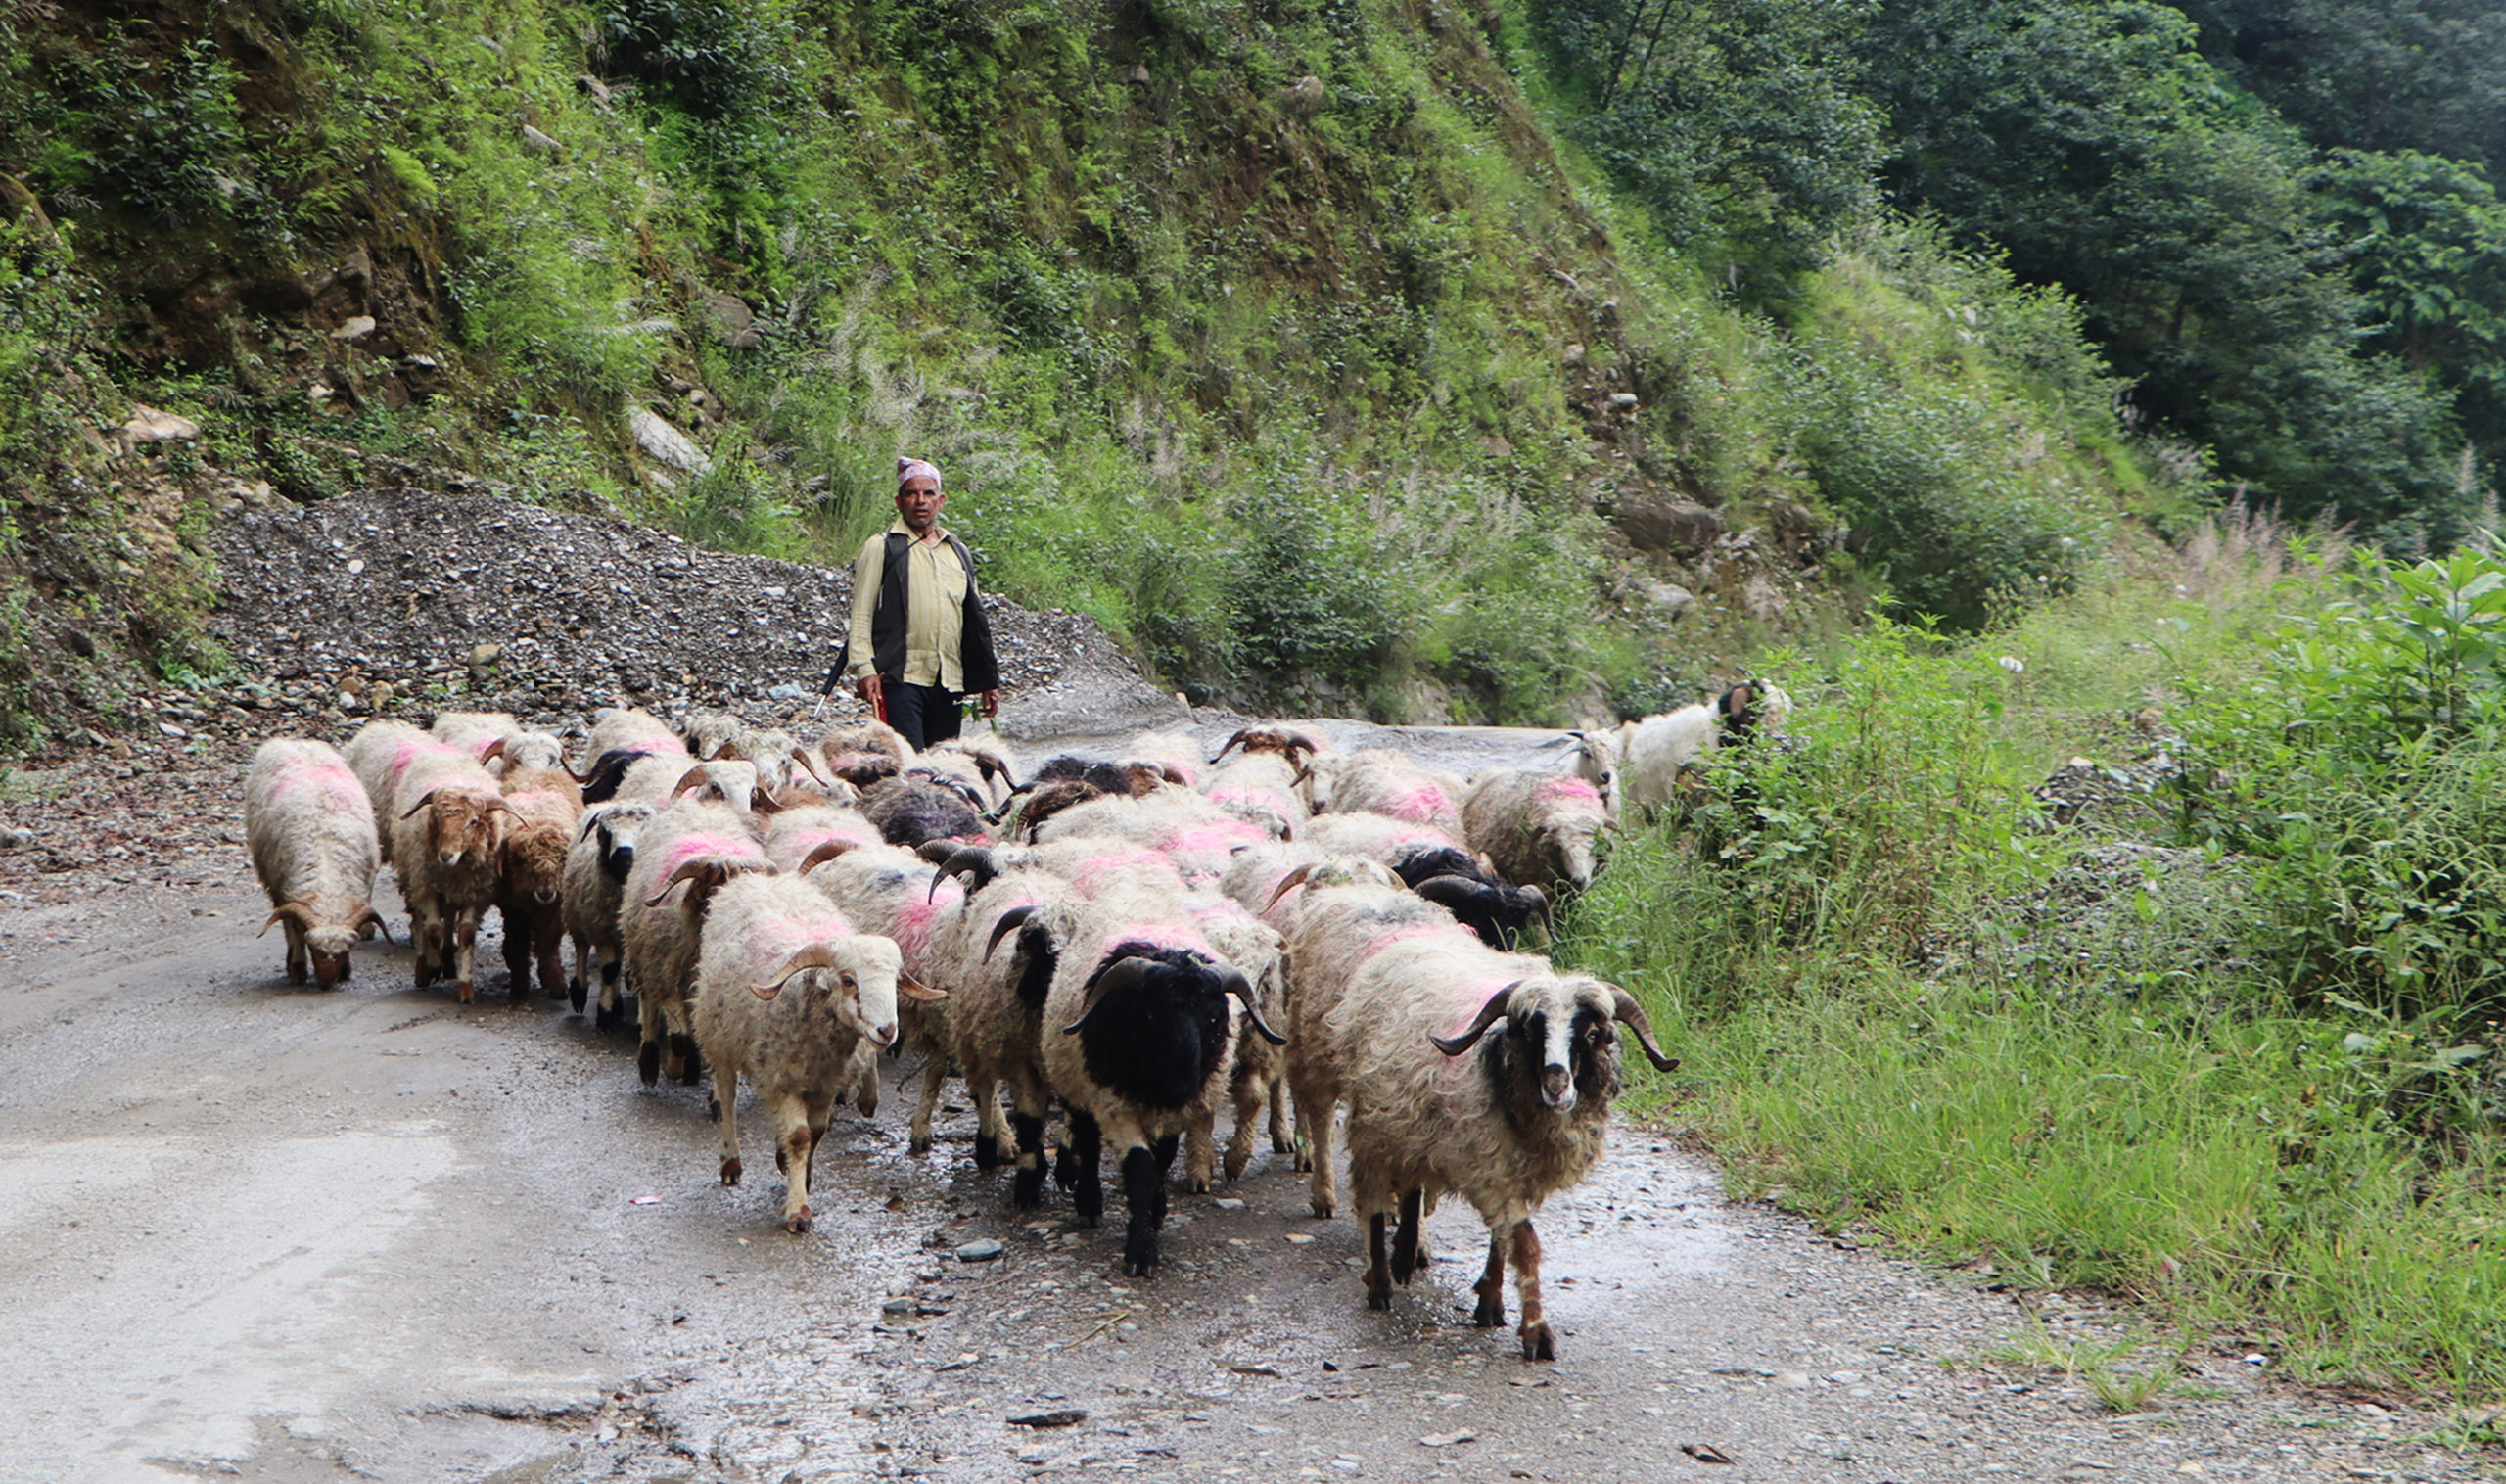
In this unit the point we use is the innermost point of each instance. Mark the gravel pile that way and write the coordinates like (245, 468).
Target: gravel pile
(396, 598)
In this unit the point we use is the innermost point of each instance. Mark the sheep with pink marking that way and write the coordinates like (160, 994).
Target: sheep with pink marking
(997, 957)
(1535, 830)
(683, 855)
(793, 835)
(310, 830)
(790, 995)
(1380, 781)
(897, 895)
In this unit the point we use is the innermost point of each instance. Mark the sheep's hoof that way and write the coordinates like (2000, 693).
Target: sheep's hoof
(1304, 1161)
(295, 975)
(465, 991)
(797, 1222)
(1196, 1184)
(867, 1102)
(987, 1152)
(684, 1057)
(1235, 1164)
(1280, 1146)
(1491, 1311)
(1378, 1290)
(1537, 1343)
(919, 1143)
(648, 1062)
(1140, 1255)
(1065, 1168)
(1323, 1206)
(731, 1170)
(1027, 1192)
(603, 1018)
(577, 994)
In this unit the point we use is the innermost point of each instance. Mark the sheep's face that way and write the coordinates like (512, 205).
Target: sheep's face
(328, 948)
(616, 830)
(533, 748)
(868, 999)
(1560, 1037)
(1158, 1039)
(1568, 846)
(465, 829)
(534, 862)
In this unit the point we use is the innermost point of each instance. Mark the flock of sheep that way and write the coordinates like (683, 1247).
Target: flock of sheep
(1136, 941)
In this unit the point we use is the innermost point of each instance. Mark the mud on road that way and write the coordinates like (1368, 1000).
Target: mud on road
(254, 1231)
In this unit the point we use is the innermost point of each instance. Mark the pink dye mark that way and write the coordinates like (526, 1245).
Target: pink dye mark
(1215, 839)
(796, 845)
(1580, 790)
(914, 922)
(1430, 934)
(688, 848)
(1424, 804)
(332, 786)
(1093, 877)
(1463, 1000)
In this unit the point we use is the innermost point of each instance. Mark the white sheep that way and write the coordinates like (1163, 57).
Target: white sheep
(997, 994)
(1268, 784)
(897, 894)
(790, 996)
(595, 889)
(1381, 782)
(1535, 830)
(310, 830)
(379, 754)
(1482, 1074)
(1653, 753)
(685, 854)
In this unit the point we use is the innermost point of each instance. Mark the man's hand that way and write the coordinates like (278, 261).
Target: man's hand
(992, 703)
(868, 689)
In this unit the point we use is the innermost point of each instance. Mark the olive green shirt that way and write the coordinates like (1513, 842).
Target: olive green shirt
(934, 618)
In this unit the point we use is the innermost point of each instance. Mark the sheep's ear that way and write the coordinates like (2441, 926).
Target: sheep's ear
(815, 956)
(297, 913)
(1232, 979)
(1122, 974)
(1489, 1014)
(726, 750)
(1627, 1012)
(915, 989)
(366, 913)
(1007, 924)
(1288, 883)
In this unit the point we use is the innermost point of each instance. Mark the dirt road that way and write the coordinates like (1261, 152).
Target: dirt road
(252, 1232)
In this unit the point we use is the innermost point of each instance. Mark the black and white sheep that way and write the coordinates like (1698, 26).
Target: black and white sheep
(310, 830)
(913, 812)
(1487, 1076)
(590, 899)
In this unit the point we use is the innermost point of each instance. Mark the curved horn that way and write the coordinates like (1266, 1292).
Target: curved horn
(1627, 1012)
(975, 860)
(495, 748)
(1295, 745)
(824, 852)
(696, 773)
(294, 911)
(814, 957)
(1447, 891)
(1007, 924)
(1121, 974)
(424, 800)
(1232, 979)
(687, 870)
(809, 766)
(364, 915)
(726, 750)
(1489, 1014)
(1540, 899)
(765, 803)
(1288, 883)
(1230, 743)
(915, 989)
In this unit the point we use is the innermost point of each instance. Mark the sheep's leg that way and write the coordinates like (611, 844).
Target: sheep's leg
(792, 1138)
(648, 1054)
(611, 968)
(1143, 1191)
(985, 1094)
(1084, 1148)
(1200, 1161)
(1378, 1270)
(685, 1061)
(821, 1112)
(1282, 1132)
(1491, 1286)
(299, 961)
(465, 938)
(1027, 1187)
(1406, 1258)
(935, 1073)
(726, 1092)
(1314, 1121)
(1538, 1343)
(518, 932)
(578, 987)
(547, 934)
(1251, 1089)
(1165, 1147)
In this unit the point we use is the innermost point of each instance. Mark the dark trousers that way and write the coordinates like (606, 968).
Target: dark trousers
(925, 714)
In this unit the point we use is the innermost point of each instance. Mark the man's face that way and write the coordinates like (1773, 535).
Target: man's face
(918, 503)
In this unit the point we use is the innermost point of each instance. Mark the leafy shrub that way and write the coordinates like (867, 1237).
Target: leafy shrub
(2366, 767)
(712, 58)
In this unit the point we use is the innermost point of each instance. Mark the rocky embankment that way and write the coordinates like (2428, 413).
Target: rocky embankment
(405, 602)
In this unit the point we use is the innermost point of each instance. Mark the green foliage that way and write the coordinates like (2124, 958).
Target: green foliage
(2364, 767)
(1737, 121)
(709, 59)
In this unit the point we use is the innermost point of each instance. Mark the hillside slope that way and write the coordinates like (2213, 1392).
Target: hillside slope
(1284, 340)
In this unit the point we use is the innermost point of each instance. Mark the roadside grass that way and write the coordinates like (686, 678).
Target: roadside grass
(1909, 1007)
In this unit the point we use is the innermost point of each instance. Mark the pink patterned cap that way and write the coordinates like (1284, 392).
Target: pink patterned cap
(915, 469)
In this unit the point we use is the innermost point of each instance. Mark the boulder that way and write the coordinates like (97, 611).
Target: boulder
(1679, 526)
